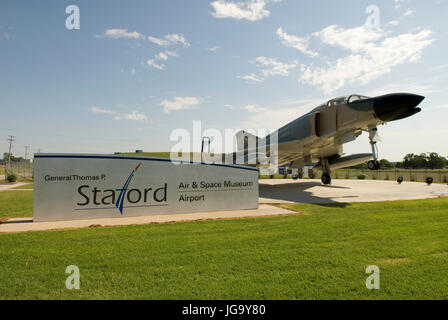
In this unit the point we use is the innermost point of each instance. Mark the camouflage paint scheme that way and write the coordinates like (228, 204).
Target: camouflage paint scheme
(321, 133)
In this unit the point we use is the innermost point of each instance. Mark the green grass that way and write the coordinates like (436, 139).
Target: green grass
(320, 254)
(160, 154)
(16, 204)
(149, 154)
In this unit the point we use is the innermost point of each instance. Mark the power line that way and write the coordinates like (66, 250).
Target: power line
(11, 139)
(26, 151)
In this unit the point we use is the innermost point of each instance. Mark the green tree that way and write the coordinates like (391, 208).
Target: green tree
(436, 162)
(430, 160)
(386, 164)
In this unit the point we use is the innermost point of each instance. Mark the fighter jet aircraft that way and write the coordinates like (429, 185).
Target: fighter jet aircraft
(318, 136)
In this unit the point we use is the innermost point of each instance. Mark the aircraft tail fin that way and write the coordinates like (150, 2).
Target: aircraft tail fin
(246, 141)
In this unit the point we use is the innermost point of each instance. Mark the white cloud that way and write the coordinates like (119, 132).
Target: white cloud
(408, 12)
(212, 49)
(272, 67)
(176, 38)
(372, 55)
(135, 116)
(171, 53)
(121, 33)
(252, 10)
(117, 116)
(274, 117)
(251, 77)
(162, 56)
(403, 86)
(165, 54)
(393, 23)
(170, 39)
(398, 3)
(102, 111)
(158, 41)
(5, 36)
(295, 42)
(152, 64)
(133, 71)
(180, 103)
(354, 39)
(252, 108)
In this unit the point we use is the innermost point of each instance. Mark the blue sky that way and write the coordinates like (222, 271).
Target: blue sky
(137, 70)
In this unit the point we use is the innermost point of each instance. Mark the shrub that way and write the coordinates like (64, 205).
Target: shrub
(12, 177)
(271, 176)
(387, 177)
(311, 174)
(361, 176)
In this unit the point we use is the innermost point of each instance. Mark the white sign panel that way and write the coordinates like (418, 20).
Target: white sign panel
(74, 186)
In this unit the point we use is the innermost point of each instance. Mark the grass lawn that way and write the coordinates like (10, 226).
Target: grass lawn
(16, 204)
(320, 254)
(148, 154)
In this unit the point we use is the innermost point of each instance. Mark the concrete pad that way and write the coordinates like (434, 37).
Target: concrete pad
(341, 191)
(8, 186)
(27, 224)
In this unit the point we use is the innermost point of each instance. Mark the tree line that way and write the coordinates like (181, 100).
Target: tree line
(428, 160)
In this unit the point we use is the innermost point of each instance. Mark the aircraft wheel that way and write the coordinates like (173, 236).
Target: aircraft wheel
(326, 178)
(377, 165)
(372, 165)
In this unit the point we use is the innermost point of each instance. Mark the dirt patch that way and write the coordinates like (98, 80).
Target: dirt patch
(393, 261)
(286, 207)
(440, 254)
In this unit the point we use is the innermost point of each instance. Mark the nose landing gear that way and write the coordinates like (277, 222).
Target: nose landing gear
(373, 137)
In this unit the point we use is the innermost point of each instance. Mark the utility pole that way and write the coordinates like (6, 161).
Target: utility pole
(26, 151)
(11, 140)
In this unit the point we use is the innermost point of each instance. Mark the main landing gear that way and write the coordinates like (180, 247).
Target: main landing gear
(373, 137)
(326, 177)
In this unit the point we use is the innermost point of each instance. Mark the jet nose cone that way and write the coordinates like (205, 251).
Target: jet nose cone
(396, 106)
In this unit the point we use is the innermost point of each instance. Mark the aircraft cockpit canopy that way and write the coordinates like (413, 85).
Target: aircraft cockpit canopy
(356, 97)
(341, 100)
(346, 99)
(336, 101)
